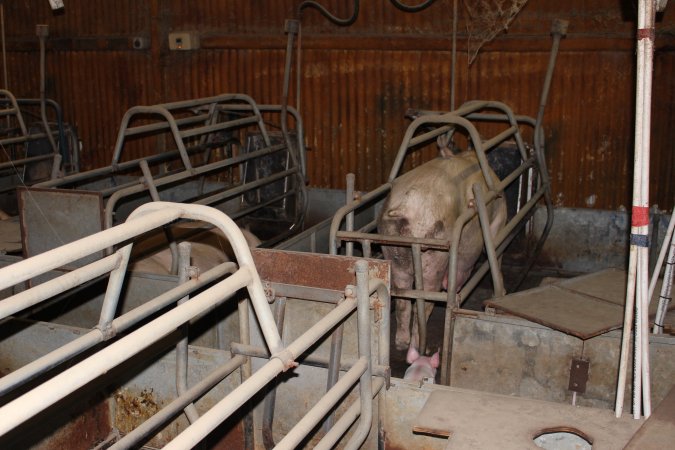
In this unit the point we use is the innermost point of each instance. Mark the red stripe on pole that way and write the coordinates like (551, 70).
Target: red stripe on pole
(645, 33)
(640, 216)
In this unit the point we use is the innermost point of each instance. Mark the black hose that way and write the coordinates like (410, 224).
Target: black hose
(412, 9)
(327, 14)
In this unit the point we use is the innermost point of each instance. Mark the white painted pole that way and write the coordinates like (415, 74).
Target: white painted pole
(637, 289)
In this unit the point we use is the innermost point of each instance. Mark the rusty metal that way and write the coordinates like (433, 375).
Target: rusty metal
(579, 375)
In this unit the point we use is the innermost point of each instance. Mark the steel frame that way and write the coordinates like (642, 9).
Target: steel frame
(441, 123)
(241, 275)
(197, 119)
(11, 111)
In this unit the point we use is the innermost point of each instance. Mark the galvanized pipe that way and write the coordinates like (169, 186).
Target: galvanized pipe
(67, 382)
(253, 351)
(41, 292)
(365, 392)
(419, 302)
(665, 296)
(295, 436)
(154, 194)
(114, 288)
(184, 249)
(270, 397)
(61, 256)
(336, 338)
(180, 176)
(495, 269)
(42, 32)
(192, 435)
(667, 243)
(119, 325)
(168, 412)
(346, 420)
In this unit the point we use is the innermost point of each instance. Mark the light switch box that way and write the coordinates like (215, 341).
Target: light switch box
(183, 41)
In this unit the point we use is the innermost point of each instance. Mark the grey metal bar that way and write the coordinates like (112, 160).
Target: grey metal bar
(497, 280)
(218, 127)
(137, 188)
(419, 302)
(306, 292)
(253, 351)
(278, 363)
(190, 410)
(154, 194)
(154, 423)
(365, 393)
(295, 436)
(119, 325)
(271, 396)
(347, 419)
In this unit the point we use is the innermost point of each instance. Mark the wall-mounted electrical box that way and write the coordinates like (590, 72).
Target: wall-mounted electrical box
(183, 41)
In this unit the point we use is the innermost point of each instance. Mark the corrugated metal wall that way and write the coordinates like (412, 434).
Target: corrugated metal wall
(358, 81)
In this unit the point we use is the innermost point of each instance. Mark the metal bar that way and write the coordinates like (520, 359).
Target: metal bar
(190, 410)
(154, 194)
(295, 436)
(218, 126)
(342, 212)
(346, 420)
(497, 279)
(337, 337)
(253, 351)
(271, 396)
(137, 188)
(46, 394)
(306, 292)
(154, 423)
(24, 161)
(41, 292)
(119, 325)
(114, 288)
(141, 129)
(427, 243)
(192, 435)
(365, 392)
(60, 256)
(419, 302)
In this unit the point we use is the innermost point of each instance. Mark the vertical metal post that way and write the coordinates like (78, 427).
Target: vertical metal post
(336, 337)
(182, 345)
(270, 398)
(154, 194)
(420, 304)
(365, 387)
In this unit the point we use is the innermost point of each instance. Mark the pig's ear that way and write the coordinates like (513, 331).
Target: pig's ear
(435, 360)
(412, 355)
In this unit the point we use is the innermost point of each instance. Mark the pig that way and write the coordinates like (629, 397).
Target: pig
(209, 248)
(425, 203)
(421, 367)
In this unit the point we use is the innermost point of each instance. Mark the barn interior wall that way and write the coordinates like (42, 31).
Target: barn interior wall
(358, 81)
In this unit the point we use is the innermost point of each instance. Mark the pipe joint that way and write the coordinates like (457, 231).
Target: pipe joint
(286, 358)
(108, 331)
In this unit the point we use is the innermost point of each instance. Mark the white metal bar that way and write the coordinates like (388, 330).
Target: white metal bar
(67, 382)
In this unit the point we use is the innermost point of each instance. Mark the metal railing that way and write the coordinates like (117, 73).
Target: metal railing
(197, 127)
(243, 274)
(17, 134)
(423, 130)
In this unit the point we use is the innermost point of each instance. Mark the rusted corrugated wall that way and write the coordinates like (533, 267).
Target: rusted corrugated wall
(357, 81)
